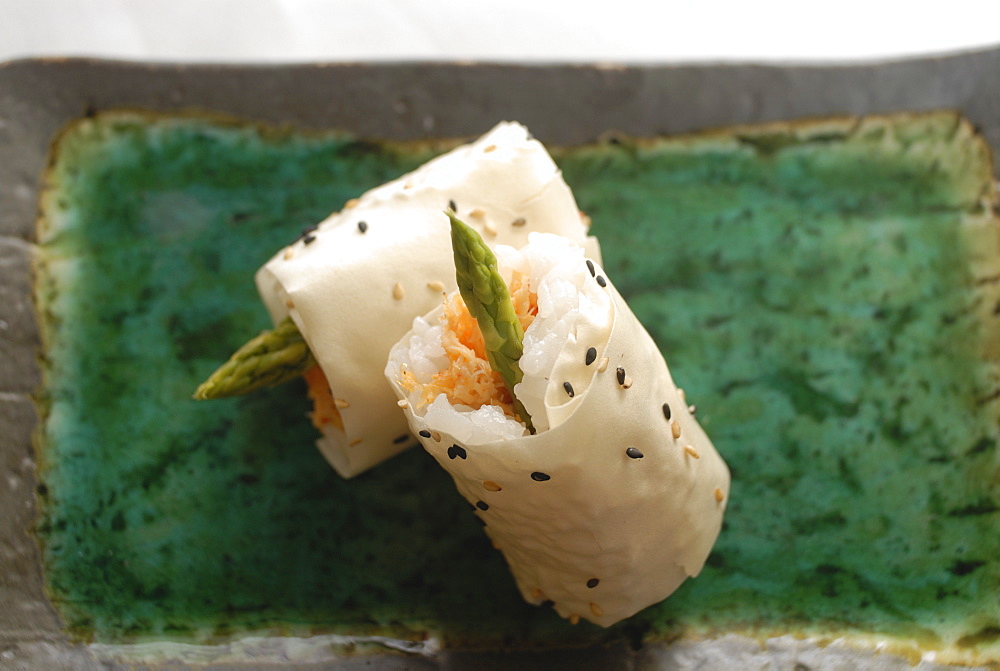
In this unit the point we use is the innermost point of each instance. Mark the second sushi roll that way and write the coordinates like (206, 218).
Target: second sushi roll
(574, 446)
(348, 288)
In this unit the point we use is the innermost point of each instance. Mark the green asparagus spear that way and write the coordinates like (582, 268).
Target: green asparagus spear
(488, 300)
(271, 358)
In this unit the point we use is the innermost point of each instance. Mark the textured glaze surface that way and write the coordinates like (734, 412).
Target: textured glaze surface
(813, 288)
(826, 296)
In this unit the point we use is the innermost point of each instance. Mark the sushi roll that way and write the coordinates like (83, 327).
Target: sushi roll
(589, 472)
(347, 290)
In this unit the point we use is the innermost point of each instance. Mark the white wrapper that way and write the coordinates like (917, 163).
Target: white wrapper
(353, 293)
(614, 506)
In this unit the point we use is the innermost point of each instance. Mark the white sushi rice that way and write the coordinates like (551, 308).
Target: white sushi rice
(568, 301)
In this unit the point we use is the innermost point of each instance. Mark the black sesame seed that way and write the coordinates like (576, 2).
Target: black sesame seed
(456, 451)
(362, 226)
(482, 505)
(400, 439)
(569, 389)
(452, 206)
(309, 229)
(593, 582)
(424, 433)
(309, 237)
(600, 280)
(591, 356)
(540, 477)
(621, 375)
(590, 267)
(633, 453)
(548, 603)
(666, 410)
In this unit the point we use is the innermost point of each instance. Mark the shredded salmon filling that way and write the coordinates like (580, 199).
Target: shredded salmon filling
(469, 380)
(325, 410)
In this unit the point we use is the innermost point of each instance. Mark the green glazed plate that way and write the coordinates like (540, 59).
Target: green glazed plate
(825, 291)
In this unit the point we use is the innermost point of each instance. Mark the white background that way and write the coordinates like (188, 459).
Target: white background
(515, 30)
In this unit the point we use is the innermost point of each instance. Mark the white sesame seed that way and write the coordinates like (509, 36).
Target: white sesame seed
(692, 452)
(489, 229)
(596, 610)
(397, 291)
(354, 442)
(341, 403)
(288, 254)
(719, 495)
(574, 618)
(403, 403)
(477, 212)
(435, 286)
(351, 203)
(520, 221)
(675, 428)
(627, 383)
(604, 365)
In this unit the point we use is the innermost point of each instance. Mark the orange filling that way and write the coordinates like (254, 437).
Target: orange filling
(325, 412)
(469, 380)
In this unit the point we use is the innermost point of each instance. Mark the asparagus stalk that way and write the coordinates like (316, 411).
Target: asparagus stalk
(488, 300)
(271, 358)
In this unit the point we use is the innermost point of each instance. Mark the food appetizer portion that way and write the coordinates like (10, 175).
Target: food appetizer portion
(344, 292)
(551, 407)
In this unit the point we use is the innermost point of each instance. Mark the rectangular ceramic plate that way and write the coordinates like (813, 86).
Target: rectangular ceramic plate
(820, 289)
